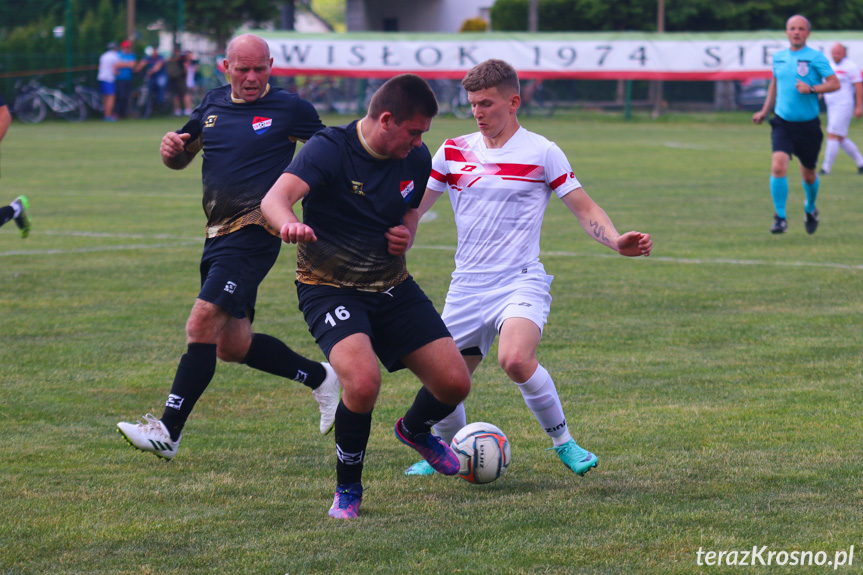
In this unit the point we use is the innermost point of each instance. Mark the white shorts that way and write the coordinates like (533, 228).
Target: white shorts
(839, 119)
(474, 315)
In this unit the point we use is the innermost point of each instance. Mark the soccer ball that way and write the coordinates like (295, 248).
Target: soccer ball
(483, 452)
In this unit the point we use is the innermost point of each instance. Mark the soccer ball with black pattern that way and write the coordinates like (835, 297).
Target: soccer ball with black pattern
(483, 452)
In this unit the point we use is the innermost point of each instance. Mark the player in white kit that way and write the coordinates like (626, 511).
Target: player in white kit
(500, 181)
(843, 105)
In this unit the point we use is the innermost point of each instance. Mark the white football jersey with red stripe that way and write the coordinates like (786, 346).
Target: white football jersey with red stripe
(499, 197)
(848, 74)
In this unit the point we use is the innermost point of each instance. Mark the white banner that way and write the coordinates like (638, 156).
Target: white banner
(643, 57)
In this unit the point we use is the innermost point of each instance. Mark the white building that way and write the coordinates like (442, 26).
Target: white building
(413, 15)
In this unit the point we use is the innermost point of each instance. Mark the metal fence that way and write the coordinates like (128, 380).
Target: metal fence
(350, 95)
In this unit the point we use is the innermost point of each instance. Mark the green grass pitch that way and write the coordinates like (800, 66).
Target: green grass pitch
(719, 380)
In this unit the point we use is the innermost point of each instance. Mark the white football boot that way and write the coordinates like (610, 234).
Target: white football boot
(150, 434)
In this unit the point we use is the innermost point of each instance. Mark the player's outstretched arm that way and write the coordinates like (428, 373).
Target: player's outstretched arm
(173, 150)
(598, 225)
(634, 244)
(429, 198)
(278, 208)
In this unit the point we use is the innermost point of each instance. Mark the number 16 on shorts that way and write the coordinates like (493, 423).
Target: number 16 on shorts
(339, 314)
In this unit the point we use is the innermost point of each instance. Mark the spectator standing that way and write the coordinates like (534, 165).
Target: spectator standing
(156, 77)
(124, 72)
(175, 67)
(107, 75)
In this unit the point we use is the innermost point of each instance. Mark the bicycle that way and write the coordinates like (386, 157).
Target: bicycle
(90, 96)
(33, 100)
(328, 96)
(139, 102)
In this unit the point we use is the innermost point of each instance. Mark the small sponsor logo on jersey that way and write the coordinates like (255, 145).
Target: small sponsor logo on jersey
(261, 125)
(357, 188)
(210, 121)
(174, 401)
(407, 189)
(802, 67)
(230, 287)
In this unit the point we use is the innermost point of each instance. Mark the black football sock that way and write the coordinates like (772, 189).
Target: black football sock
(424, 413)
(272, 356)
(352, 437)
(194, 374)
(6, 214)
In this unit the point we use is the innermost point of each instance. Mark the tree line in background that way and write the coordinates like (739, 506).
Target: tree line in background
(680, 15)
(28, 27)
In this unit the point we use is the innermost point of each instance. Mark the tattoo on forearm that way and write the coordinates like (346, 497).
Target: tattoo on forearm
(599, 232)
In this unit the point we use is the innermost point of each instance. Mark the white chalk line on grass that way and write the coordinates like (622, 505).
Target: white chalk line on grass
(131, 236)
(52, 252)
(686, 146)
(695, 261)
(176, 241)
(187, 241)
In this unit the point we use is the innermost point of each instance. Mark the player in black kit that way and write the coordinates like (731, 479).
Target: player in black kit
(360, 186)
(248, 131)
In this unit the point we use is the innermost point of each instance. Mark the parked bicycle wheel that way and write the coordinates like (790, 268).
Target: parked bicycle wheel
(71, 109)
(92, 98)
(30, 108)
(139, 106)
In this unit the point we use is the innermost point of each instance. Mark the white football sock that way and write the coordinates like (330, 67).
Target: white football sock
(447, 427)
(831, 150)
(850, 148)
(541, 397)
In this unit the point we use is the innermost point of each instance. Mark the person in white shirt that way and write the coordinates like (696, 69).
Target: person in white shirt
(107, 63)
(500, 181)
(843, 105)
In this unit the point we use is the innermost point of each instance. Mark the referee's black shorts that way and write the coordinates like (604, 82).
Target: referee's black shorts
(801, 139)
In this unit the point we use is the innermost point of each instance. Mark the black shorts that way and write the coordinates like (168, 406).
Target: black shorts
(178, 86)
(398, 321)
(801, 139)
(234, 265)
